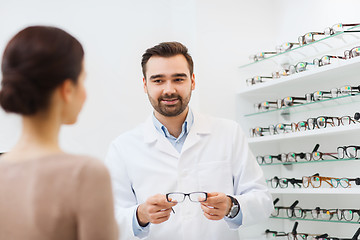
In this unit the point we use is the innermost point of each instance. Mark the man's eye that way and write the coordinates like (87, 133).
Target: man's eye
(179, 79)
(157, 81)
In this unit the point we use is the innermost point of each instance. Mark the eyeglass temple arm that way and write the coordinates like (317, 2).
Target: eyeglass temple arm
(316, 148)
(294, 228)
(356, 180)
(356, 235)
(352, 31)
(269, 231)
(294, 204)
(322, 236)
(357, 116)
(350, 24)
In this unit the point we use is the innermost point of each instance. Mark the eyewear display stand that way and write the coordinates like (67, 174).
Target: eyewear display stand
(338, 73)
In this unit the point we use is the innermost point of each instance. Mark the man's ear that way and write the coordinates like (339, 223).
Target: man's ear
(66, 90)
(193, 81)
(144, 85)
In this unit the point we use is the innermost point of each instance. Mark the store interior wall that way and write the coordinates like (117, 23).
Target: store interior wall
(116, 33)
(219, 34)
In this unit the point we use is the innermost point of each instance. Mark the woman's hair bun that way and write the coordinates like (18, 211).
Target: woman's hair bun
(17, 96)
(35, 62)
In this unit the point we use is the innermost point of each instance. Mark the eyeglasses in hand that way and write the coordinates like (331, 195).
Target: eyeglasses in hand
(180, 197)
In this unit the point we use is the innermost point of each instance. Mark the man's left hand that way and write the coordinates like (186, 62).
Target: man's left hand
(217, 206)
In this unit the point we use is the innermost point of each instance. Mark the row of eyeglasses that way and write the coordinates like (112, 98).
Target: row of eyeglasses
(320, 122)
(344, 152)
(303, 66)
(294, 235)
(309, 97)
(305, 39)
(315, 181)
(317, 213)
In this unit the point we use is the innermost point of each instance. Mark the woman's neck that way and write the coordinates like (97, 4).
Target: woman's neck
(39, 137)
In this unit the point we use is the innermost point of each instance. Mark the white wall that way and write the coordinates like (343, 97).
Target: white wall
(114, 34)
(219, 35)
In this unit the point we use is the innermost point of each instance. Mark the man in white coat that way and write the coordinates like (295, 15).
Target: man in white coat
(182, 175)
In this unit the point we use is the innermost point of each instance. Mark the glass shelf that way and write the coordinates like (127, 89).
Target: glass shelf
(316, 191)
(300, 47)
(278, 138)
(342, 100)
(320, 161)
(316, 220)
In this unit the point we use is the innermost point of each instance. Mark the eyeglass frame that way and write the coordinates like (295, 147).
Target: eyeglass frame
(186, 194)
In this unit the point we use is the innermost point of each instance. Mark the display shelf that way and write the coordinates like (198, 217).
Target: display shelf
(336, 191)
(335, 39)
(331, 102)
(341, 69)
(310, 162)
(316, 220)
(328, 132)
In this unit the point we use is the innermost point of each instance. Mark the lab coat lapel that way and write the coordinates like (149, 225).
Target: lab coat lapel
(201, 127)
(151, 135)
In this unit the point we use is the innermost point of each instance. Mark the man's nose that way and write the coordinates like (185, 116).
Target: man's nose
(169, 88)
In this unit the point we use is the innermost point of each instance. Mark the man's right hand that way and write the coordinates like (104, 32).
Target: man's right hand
(156, 210)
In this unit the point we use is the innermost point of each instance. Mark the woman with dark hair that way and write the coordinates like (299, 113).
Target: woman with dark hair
(44, 192)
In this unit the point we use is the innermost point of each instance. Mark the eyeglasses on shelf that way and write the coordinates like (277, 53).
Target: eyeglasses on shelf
(257, 79)
(316, 181)
(277, 209)
(260, 55)
(285, 47)
(309, 37)
(284, 182)
(339, 27)
(348, 152)
(326, 60)
(354, 52)
(287, 157)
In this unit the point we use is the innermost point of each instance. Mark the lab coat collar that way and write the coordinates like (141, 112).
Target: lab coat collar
(201, 125)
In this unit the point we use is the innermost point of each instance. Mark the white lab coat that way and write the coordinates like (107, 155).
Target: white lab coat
(215, 158)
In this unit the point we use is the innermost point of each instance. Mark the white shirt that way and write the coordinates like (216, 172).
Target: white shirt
(215, 158)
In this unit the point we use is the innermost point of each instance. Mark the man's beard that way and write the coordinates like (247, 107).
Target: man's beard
(170, 110)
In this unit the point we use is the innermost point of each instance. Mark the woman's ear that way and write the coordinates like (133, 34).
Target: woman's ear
(66, 90)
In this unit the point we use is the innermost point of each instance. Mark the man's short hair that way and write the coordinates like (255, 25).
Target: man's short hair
(167, 49)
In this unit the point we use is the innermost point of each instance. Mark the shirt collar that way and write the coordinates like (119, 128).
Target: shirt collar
(189, 120)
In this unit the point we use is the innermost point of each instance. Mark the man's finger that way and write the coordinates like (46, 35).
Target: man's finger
(211, 211)
(215, 198)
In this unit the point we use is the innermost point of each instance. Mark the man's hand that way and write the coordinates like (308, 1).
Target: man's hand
(156, 210)
(217, 206)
